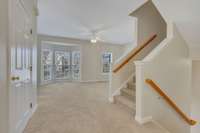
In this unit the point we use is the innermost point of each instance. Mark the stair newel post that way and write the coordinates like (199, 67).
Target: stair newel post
(110, 83)
(139, 73)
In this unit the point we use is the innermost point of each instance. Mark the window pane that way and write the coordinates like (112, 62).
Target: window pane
(106, 62)
(75, 64)
(62, 65)
(19, 58)
(58, 64)
(47, 64)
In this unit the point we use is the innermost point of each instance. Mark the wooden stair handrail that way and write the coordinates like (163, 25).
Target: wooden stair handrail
(170, 102)
(138, 49)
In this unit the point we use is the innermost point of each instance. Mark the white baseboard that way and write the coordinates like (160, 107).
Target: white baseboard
(150, 119)
(23, 122)
(78, 81)
(89, 81)
(117, 92)
(34, 109)
(26, 119)
(143, 120)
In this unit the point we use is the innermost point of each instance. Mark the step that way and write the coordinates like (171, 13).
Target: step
(129, 93)
(126, 102)
(131, 85)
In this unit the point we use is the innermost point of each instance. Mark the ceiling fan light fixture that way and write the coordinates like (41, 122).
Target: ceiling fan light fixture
(93, 40)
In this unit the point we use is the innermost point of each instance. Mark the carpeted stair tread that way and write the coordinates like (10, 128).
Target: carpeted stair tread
(120, 99)
(129, 93)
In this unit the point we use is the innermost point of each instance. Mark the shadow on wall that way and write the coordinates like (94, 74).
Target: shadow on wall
(196, 95)
(149, 22)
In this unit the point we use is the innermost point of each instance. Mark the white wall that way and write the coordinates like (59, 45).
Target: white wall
(195, 112)
(185, 15)
(92, 60)
(169, 66)
(3, 66)
(149, 22)
(194, 52)
(90, 55)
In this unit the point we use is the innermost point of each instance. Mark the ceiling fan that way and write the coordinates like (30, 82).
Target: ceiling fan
(95, 37)
(94, 33)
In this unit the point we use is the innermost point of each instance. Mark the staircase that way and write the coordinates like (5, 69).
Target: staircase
(120, 73)
(127, 95)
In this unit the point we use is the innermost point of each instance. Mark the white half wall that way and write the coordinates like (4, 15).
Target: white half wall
(170, 67)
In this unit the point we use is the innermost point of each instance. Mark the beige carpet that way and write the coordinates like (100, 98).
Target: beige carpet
(82, 108)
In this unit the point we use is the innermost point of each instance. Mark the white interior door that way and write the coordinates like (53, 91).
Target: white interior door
(20, 68)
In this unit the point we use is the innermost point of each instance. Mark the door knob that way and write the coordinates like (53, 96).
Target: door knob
(15, 78)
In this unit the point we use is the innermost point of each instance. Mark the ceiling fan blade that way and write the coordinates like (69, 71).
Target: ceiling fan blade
(82, 26)
(100, 39)
(103, 28)
(85, 34)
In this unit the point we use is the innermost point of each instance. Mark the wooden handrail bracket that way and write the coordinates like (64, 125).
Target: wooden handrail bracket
(170, 102)
(135, 52)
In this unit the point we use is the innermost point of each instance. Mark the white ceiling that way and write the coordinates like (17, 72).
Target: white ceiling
(186, 15)
(76, 18)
